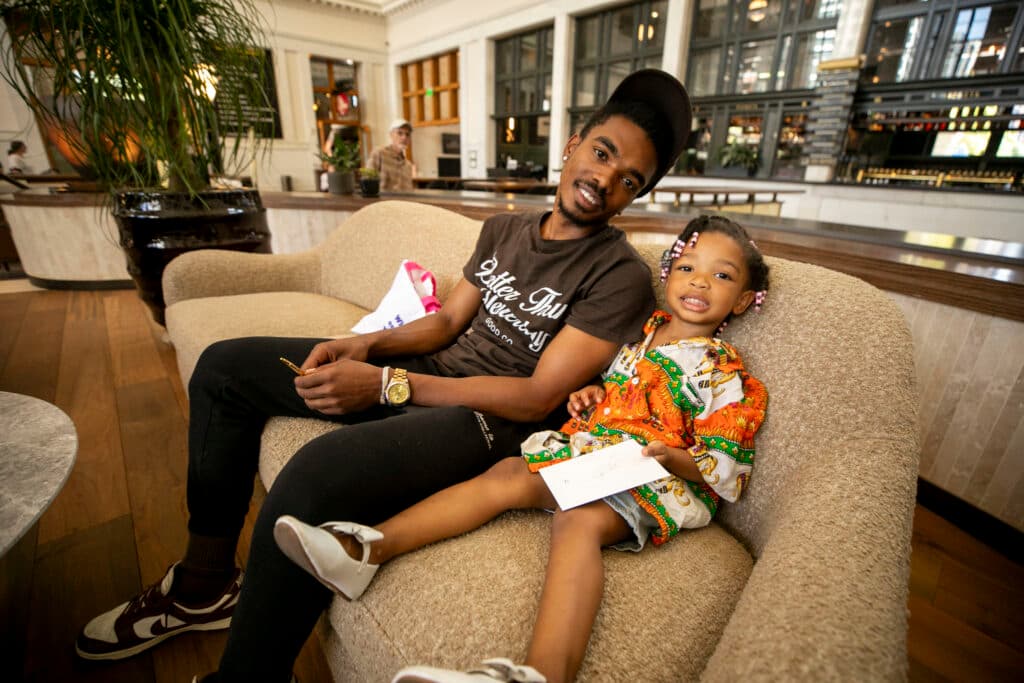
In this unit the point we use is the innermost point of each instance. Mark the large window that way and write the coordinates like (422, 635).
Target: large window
(522, 107)
(943, 39)
(749, 70)
(745, 47)
(940, 96)
(611, 45)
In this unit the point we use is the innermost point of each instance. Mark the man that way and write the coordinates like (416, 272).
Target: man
(396, 171)
(546, 301)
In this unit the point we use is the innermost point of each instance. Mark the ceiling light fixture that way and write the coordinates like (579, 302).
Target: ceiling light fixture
(756, 10)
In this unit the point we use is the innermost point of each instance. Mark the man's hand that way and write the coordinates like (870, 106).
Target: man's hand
(580, 402)
(340, 387)
(352, 348)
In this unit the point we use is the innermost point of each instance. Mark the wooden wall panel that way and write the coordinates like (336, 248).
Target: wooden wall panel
(294, 230)
(970, 369)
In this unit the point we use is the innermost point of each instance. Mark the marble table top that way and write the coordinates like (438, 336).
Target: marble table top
(38, 444)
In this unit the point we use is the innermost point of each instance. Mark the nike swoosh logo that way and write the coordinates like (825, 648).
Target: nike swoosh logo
(144, 628)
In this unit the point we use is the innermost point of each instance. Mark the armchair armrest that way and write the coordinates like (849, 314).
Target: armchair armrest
(827, 599)
(218, 272)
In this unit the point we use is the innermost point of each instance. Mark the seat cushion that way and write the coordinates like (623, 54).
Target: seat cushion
(282, 438)
(194, 324)
(453, 603)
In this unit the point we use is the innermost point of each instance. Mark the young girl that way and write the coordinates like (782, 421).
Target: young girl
(680, 391)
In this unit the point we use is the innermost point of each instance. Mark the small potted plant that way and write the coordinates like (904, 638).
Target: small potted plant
(740, 155)
(369, 182)
(342, 161)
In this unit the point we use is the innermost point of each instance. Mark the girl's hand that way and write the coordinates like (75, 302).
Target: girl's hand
(678, 461)
(583, 400)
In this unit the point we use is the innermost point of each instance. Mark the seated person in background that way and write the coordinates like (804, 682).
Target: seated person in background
(16, 164)
(396, 171)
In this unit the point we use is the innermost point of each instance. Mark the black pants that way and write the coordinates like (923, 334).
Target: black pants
(381, 463)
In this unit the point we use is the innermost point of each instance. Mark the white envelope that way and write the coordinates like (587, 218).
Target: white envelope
(601, 473)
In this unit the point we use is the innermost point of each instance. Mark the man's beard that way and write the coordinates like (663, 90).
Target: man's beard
(575, 218)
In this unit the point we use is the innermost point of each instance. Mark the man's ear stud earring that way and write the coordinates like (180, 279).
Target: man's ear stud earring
(565, 157)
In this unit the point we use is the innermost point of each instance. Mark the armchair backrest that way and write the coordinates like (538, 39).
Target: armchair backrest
(834, 352)
(361, 256)
(836, 356)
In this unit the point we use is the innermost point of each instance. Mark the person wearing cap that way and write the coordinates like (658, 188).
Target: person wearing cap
(396, 171)
(546, 300)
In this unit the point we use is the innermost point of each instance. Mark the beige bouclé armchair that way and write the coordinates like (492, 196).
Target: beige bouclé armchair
(804, 579)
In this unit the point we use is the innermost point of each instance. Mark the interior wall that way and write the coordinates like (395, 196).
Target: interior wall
(471, 27)
(298, 29)
(426, 148)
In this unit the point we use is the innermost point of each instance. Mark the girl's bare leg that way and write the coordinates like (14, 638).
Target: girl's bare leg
(507, 485)
(573, 587)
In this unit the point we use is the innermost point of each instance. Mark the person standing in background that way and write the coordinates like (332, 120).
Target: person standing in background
(396, 171)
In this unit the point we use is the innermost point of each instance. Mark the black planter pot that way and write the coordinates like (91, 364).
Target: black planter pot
(735, 172)
(157, 226)
(369, 187)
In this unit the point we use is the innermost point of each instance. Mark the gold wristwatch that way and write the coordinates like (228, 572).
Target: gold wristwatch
(397, 391)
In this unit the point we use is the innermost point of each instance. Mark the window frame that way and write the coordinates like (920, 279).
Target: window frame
(324, 124)
(418, 97)
(929, 63)
(638, 57)
(528, 120)
(780, 98)
(734, 37)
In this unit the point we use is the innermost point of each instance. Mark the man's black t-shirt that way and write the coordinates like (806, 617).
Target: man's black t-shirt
(532, 287)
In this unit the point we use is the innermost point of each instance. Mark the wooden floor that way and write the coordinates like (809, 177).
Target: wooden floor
(120, 520)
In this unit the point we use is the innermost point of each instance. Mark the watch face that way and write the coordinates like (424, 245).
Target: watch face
(398, 394)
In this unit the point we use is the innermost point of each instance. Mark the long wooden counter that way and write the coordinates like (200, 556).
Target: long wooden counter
(979, 275)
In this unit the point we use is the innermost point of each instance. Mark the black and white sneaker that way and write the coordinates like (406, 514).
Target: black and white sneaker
(152, 617)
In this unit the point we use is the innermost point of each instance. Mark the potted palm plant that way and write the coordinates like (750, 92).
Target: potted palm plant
(144, 96)
(342, 160)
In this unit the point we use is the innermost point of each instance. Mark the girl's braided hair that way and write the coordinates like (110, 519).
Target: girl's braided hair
(756, 267)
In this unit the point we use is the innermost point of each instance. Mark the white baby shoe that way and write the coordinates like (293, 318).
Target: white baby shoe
(491, 670)
(316, 550)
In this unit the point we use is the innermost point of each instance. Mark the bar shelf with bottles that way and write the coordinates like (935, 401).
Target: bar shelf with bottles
(957, 147)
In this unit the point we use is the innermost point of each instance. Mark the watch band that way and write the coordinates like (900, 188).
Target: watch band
(385, 373)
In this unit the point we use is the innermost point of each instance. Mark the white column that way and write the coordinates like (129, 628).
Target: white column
(476, 104)
(677, 37)
(561, 91)
(852, 28)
